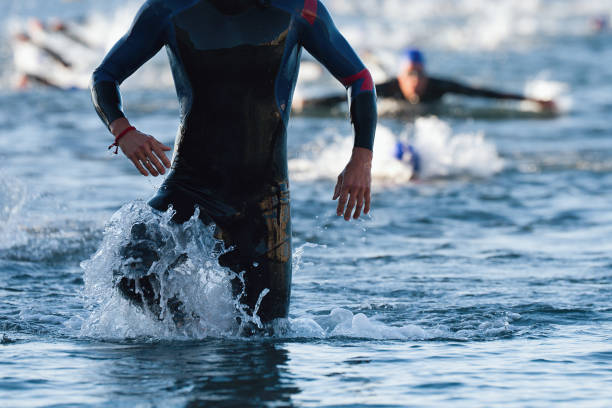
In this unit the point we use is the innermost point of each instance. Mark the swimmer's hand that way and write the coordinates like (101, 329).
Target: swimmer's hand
(354, 185)
(546, 104)
(146, 152)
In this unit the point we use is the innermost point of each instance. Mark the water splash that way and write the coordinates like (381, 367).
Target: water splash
(446, 155)
(442, 155)
(13, 198)
(542, 87)
(186, 268)
(342, 322)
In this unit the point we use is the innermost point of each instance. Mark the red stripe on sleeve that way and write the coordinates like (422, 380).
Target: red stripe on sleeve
(310, 11)
(368, 83)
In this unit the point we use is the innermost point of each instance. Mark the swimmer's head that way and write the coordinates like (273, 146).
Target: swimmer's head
(21, 37)
(35, 25)
(600, 23)
(57, 25)
(412, 73)
(413, 56)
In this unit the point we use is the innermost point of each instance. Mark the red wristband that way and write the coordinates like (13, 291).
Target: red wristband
(119, 136)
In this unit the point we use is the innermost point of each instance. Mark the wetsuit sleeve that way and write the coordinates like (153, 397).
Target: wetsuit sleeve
(461, 89)
(321, 38)
(144, 39)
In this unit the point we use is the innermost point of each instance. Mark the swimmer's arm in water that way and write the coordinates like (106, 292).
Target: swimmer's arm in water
(387, 89)
(144, 39)
(324, 102)
(461, 89)
(322, 39)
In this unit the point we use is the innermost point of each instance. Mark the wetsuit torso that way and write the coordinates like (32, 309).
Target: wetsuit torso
(235, 64)
(437, 88)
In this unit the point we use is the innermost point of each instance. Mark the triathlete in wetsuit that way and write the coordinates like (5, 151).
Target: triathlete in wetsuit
(235, 64)
(415, 86)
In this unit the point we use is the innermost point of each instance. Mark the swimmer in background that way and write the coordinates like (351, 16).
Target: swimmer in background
(415, 86)
(600, 24)
(52, 55)
(33, 60)
(67, 30)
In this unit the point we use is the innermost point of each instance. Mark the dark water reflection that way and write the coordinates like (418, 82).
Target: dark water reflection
(216, 372)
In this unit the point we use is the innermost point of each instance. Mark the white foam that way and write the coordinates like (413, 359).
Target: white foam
(446, 155)
(462, 24)
(542, 87)
(344, 323)
(442, 155)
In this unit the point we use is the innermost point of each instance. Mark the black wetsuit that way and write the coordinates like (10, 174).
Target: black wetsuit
(235, 64)
(436, 88)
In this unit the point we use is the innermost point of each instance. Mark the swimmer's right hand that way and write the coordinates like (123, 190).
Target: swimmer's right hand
(146, 152)
(547, 105)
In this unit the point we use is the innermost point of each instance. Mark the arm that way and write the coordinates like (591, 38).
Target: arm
(461, 89)
(144, 39)
(389, 89)
(322, 39)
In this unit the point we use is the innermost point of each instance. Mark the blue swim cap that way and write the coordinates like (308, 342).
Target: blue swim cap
(413, 55)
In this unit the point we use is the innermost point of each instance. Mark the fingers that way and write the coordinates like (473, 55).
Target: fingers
(139, 166)
(152, 159)
(358, 206)
(342, 202)
(146, 153)
(159, 150)
(350, 206)
(144, 159)
(366, 209)
(338, 188)
(353, 201)
(350, 199)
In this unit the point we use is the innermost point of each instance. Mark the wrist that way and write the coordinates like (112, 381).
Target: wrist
(118, 126)
(362, 154)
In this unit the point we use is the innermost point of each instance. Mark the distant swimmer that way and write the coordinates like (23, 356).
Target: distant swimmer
(600, 24)
(35, 62)
(69, 32)
(415, 86)
(54, 55)
(235, 65)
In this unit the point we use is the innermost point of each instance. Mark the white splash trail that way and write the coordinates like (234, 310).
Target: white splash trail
(442, 153)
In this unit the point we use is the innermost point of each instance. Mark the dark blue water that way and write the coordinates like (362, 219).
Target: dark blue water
(485, 283)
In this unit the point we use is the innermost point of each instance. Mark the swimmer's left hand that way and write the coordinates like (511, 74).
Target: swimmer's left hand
(546, 105)
(353, 187)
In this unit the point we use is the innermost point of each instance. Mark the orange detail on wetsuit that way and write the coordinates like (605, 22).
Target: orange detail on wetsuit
(310, 11)
(364, 74)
